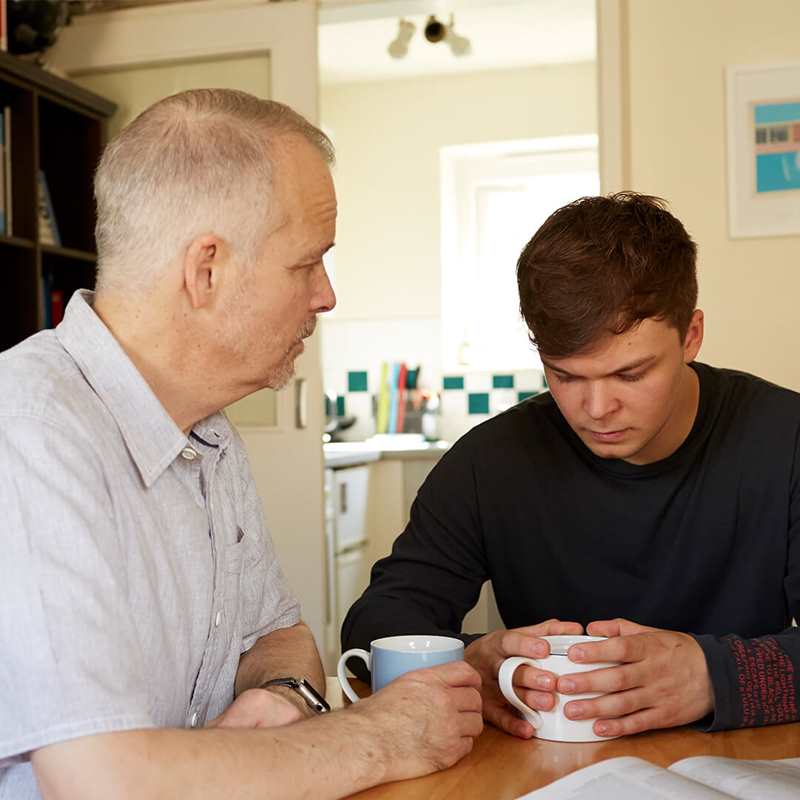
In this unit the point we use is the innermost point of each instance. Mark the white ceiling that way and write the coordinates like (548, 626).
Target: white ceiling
(354, 35)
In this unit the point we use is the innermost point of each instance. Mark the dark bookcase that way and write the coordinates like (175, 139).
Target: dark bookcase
(57, 128)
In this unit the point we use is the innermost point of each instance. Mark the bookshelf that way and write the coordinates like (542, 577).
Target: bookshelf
(59, 129)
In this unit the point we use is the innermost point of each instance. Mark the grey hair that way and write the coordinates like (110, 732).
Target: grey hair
(193, 163)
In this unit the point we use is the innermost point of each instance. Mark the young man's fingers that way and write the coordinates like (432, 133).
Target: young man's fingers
(608, 679)
(502, 717)
(646, 720)
(609, 706)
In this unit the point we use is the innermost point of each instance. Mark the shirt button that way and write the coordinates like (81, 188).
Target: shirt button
(189, 453)
(193, 722)
(217, 619)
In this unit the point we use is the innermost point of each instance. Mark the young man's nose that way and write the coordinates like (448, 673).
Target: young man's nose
(599, 400)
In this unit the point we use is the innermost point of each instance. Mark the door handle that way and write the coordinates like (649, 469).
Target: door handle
(301, 403)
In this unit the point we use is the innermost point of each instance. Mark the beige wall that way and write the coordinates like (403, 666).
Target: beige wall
(388, 137)
(677, 52)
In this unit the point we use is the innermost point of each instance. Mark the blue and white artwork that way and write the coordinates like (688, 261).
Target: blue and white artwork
(777, 145)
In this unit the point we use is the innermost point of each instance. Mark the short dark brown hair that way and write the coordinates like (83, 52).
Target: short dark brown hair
(602, 264)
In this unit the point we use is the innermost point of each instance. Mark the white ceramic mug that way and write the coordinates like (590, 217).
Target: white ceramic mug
(553, 724)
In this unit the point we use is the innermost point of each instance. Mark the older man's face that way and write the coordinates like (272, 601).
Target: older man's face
(276, 301)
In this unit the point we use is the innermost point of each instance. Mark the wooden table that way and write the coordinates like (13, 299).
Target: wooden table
(501, 767)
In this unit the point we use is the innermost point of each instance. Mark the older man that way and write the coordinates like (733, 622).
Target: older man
(141, 593)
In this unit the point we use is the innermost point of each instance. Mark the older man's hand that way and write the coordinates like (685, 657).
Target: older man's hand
(260, 708)
(662, 681)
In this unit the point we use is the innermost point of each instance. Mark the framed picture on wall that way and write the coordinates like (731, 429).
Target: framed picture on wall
(763, 150)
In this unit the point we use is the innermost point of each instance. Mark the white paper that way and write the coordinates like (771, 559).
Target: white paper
(698, 778)
(624, 778)
(745, 780)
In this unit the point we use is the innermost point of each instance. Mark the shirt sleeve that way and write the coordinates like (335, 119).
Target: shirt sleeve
(437, 567)
(270, 603)
(757, 681)
(71, 661)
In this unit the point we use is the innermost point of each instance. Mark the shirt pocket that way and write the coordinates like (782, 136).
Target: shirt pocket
(232, 568)
(253, 579)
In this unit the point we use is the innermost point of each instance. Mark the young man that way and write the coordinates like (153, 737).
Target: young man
(650, 498)
(144, 614)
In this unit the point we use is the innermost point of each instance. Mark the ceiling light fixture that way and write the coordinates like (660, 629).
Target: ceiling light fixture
(398, 47)
(434, 32)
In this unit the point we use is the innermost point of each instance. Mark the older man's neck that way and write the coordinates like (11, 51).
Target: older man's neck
(158, 344)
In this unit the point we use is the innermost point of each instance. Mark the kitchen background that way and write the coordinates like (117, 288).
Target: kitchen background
(446, 165)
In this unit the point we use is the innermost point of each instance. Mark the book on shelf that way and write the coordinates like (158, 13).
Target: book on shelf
(54, 301)
(697, 778)
(4, 25)
(56, 306)
(5, 172)
(48, 227)
(47, 288)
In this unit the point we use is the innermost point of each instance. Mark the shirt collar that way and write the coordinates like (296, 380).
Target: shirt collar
(151, 435)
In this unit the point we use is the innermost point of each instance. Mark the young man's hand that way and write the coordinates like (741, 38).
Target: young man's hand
(260, 708)
(534, 687)
(663, 679)
(425, 720)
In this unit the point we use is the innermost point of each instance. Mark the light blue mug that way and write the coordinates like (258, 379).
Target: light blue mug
(393, 656)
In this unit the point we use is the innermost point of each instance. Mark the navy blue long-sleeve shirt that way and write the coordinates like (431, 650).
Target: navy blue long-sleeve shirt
(706, 541)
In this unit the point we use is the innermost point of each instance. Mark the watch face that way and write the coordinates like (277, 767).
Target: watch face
(313, 699)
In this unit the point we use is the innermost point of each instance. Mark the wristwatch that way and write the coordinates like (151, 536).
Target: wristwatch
(315, 701)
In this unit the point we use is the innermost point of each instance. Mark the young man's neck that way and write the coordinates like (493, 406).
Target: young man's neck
(678, 425)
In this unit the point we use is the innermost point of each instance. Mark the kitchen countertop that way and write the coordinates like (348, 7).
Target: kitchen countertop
(349, 454)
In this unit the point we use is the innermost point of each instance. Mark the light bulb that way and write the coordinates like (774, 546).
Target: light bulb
(398, 47)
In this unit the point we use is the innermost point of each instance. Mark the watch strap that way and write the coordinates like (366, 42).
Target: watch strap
(313, 699)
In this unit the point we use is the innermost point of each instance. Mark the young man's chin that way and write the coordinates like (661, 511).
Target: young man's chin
(613, 446)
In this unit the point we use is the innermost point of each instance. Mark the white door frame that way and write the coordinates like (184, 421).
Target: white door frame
(613, 121)
(140, 36)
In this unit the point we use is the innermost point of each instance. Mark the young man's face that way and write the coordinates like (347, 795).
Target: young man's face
(631, 396)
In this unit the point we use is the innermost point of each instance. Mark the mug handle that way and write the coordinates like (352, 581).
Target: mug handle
(356, 652)
(506, 680)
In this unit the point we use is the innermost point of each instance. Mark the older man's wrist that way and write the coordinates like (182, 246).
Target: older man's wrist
(292, 696)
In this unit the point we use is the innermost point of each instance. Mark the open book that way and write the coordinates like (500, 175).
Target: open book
(698, 778)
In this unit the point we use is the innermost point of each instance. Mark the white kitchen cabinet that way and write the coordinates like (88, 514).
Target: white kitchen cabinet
(350, 490)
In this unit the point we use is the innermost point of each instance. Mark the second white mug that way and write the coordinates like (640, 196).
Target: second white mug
(553, 724)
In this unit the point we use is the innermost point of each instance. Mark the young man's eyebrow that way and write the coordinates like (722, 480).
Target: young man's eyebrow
(639, 362)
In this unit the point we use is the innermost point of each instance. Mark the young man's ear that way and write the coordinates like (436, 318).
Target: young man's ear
(202, 266)
(694, 337)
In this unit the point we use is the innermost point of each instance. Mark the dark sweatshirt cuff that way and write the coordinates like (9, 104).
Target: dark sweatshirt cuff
(753, 682)
(724, 682)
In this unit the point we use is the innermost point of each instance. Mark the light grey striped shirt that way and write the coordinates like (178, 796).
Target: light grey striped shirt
(135, 567)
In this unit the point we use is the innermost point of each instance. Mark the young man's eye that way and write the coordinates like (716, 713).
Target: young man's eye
(563, 378)
(632, 378)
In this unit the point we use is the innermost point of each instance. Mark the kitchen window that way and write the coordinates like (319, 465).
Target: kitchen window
(494, 197)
